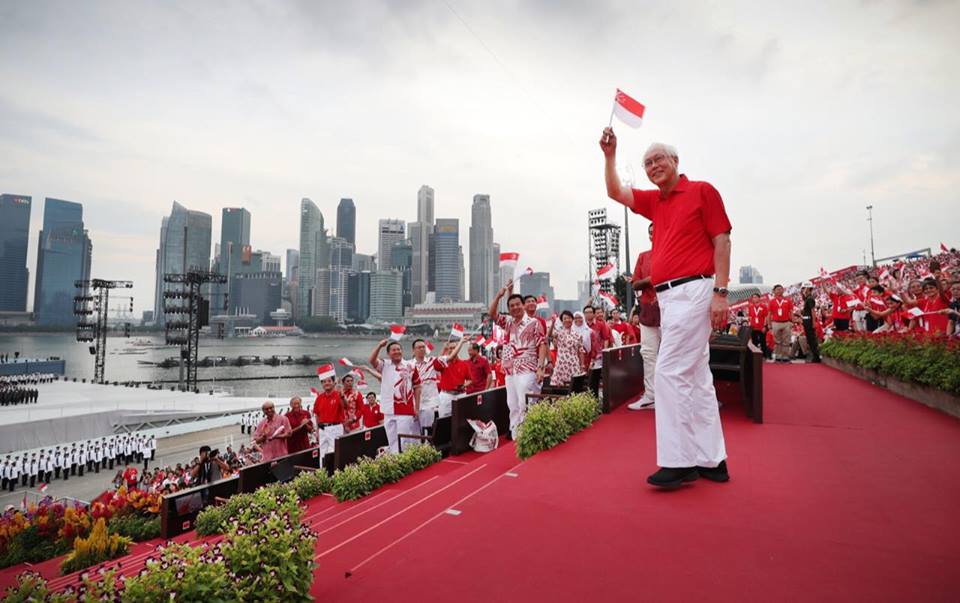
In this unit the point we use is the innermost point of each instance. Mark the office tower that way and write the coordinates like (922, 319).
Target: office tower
(259, 292)
(481, 248)
(402, 258)
(293, 262)
(311, 232)
(269, 262)
(462, 271)
(184, 245)
(750, 275)
(347, 221)
(14, 236)
(420, 232)
(386, 296)
(63, 257)
(495, 283)
(363, 262)
(321, 293)
(537, 284)
(446, 249)
(341, 253)
(389, 232)
(341, 263)
(358, 296)
(234, 240)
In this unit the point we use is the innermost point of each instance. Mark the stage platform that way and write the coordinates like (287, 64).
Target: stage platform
(846, 493)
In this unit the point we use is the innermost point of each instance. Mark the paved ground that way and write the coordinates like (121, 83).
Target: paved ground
(170, 451)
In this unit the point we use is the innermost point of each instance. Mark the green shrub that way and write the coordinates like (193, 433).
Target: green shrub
(211, 520)
(579, 411)
(309, 484)
(543, 428)
(392, 469)
(182, 573)
(31, 587)
(32, 547)
(135, 527)
(419, 456)
(371, 469)
(350, 483)
(96, 548)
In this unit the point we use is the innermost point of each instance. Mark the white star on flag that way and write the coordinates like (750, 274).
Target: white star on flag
(628, 110)
(456, 331)
(397, 331)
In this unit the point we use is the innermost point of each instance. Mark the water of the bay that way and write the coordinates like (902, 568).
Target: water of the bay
(127, 359)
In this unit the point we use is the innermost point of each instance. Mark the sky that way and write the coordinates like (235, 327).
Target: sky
(801, 115)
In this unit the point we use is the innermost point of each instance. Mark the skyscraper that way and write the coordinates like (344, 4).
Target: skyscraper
(321, 293)
(385, 295)
(402, 256)
(358, 296)
(750, 275)
(14, 236)
(447, 262)
(420, 232)
(311, 231)
(293, 262)
(347, 221)
(63, 257)
(537, 284)
(234, 238)
(341, 263)
(389, 233)
(184, 245)
(481, 250)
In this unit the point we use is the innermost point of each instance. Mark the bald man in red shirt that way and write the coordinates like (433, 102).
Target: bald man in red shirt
(690, 272)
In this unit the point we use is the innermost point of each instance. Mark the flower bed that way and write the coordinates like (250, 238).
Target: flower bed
(910, 358)
(48, 529)
(261, 558)
(548, 424)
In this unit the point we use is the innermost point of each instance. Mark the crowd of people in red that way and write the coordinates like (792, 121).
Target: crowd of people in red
(920, 295)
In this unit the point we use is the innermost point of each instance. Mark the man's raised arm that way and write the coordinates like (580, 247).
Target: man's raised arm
(615, 188)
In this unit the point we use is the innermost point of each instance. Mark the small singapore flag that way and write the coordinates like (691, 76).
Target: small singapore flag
(346, 362)
(456, 331)
(43, 488)
(542, 303)
(509, 260)
(326, 372)
(397, 331)
(429, 348)
(628, 110)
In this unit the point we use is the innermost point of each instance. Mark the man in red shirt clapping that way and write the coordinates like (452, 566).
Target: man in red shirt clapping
(690, 273)
(328, 411)
(758, 323)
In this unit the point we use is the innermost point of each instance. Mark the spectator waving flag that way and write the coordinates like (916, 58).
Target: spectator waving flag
(397, 331)
(326, 372)
(456, 331)
(542, 303)
(607, 273)
(346, 362)
(627, 110)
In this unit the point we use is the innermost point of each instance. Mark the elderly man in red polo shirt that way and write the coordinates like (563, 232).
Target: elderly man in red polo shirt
(690, 272)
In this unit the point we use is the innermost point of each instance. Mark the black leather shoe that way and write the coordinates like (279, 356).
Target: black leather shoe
(670, 478)
(715, 474)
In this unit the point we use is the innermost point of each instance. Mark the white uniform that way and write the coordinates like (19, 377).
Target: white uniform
(687, 416)
(429, 394)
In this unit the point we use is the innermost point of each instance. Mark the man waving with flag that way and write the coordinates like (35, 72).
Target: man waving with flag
(690, 268)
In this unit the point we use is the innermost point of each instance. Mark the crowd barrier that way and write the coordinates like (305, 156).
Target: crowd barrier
(622, 376)
(178, 511)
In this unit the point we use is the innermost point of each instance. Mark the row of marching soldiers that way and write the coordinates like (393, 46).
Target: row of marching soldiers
(30, 469)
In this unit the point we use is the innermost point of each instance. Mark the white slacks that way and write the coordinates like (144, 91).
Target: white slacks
(649, 348)
(445, 404)
(518, 386)
(394, 424)
(687, 416)
(429, 402)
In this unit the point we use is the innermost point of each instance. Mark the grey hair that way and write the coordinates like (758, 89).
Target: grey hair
(665, 148)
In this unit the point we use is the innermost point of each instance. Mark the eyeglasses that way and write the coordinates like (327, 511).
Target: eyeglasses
(658, 158)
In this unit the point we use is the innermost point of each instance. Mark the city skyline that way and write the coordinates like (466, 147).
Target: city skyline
(789, 132)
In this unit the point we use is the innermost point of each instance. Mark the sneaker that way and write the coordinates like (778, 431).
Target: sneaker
(641, 404)
(670, 478)
(715, 474)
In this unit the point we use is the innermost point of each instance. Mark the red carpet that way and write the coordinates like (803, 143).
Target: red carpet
(847, 493)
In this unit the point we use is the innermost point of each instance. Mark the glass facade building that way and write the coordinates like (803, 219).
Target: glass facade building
(14, 237)
(64, 254)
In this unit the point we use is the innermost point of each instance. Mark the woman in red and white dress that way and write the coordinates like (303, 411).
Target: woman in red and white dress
(353, 404)
(570, 352)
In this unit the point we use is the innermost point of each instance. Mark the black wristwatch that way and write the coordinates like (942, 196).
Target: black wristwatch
(721, 291)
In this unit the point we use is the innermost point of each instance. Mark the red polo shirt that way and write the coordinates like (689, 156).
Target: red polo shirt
(301, 439)
(781, 310)
(687, 221)
(452, 375)
(642, 270)
(479, 370)
(328, 407)
(758, 316)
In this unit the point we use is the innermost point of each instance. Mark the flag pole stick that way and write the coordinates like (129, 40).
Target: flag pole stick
(606, 138)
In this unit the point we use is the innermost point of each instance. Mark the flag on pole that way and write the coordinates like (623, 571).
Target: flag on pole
(609, 299)
(326, 372)
(884, 274)
(346, 362)
(607, 273)
(489, 344)
(358, 375)
(542, 303)
(397, 331)
(509, 260)
(479, 339)
(628, 110)
(429, 347)
(314, 391)
(944, 248)
(456, 331)
(43, 488)
(526, 272)
(915, 312)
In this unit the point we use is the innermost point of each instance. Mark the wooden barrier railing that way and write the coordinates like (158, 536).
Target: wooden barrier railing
(488, 405)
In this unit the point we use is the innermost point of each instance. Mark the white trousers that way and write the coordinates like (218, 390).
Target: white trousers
(429, 402)
(326, 438)
(394, 424)
(445, 403)
(688, 416)
(649, 348)
(518, 386)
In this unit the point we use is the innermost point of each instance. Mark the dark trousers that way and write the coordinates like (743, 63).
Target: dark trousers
(811, 334)
(56, 470)
(153, 454)
(73, 468)
(97, 467)
(841, 324)
(872, 323)
(111, 463)
(759, 339)
(23, 479)
(33, 480)
(4, 486)
(80, 469)
(66, 474)
(595, 375)
(12, 484)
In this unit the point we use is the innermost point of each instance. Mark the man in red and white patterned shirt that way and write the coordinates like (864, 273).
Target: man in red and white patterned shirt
(399, 391)
(527, 357)
(429, 394)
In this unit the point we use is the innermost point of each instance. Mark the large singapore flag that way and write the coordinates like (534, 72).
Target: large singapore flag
(628, 110)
